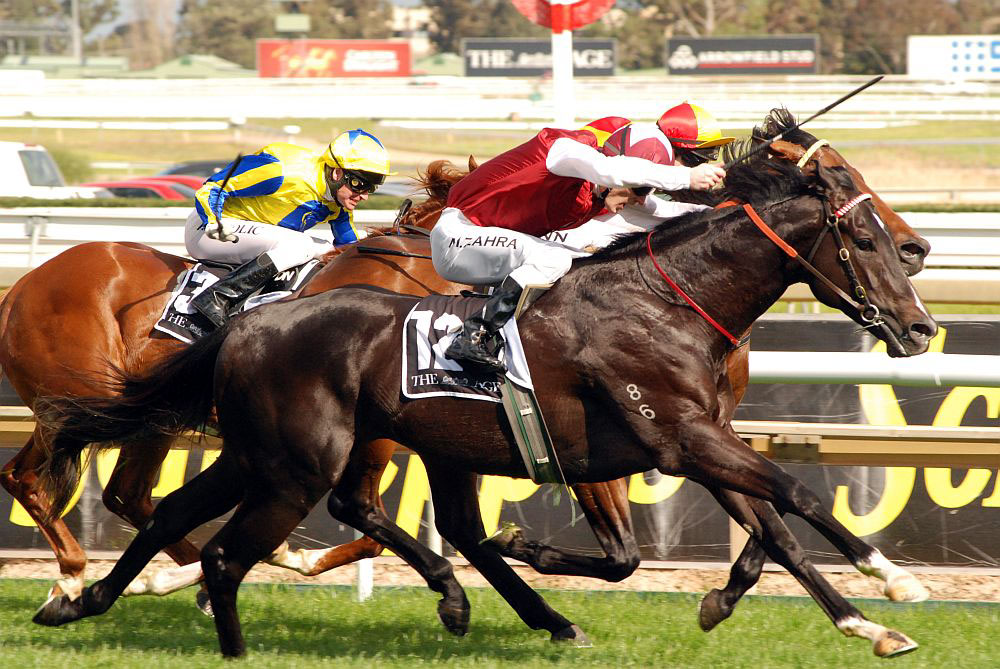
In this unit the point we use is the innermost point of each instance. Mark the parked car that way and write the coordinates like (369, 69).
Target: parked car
(28, 170)
(149, 188)
(186, 179)
(198, 168)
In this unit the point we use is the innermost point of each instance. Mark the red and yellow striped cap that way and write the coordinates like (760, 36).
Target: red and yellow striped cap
(691, 127)
(604, 127)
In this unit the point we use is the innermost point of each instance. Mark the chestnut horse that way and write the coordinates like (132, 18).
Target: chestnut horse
(606, 308)
(109, 295)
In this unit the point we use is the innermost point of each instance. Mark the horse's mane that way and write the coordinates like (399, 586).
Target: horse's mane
(435, 182)
(778, 121)
(758, 181)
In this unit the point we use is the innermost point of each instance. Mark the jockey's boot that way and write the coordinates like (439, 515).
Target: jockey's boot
(479, 332)
(215, 301)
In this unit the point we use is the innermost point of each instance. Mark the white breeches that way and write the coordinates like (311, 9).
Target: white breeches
(466, 253)
(286, 248)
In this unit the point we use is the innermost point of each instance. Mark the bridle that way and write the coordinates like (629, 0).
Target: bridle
(867, 312)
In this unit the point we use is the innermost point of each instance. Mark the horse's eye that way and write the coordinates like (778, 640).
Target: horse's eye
(865, 244)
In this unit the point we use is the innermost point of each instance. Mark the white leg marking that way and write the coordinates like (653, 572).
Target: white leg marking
(164, 581)
(303, 561)
(900, 585)
(885, 642)
(71, 586)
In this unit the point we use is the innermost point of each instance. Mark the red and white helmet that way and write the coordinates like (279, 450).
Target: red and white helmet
(640, 140)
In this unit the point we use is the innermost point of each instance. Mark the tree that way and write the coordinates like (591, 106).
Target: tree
(225, 28)
(453, 20)
(875, 32)
(350, 19)
(92, 14)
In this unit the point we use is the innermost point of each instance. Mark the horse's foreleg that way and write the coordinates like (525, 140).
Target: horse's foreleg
(766, 527)
(716, 457)
(19, 477)
(207, 496)
(376, 456)
(456, 513)
(606, 508)
(718, 605)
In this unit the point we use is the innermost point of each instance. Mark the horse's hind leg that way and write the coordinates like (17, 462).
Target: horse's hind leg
(459, 521)
(128, 492)
(207, 496)
(606, 508)
(260, 523)
(19, 477)
(350, 504)
(375, 458)
(774, 537)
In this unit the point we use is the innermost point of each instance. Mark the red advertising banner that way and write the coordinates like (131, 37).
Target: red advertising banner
(332, 58)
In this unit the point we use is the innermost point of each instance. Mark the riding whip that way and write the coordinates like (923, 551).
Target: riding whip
(767, 143)
(220, 231)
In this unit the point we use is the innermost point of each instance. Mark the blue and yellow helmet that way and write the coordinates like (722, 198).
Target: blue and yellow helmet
(358, 150)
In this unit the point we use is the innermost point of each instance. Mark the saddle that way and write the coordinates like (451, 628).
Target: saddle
(182, 322)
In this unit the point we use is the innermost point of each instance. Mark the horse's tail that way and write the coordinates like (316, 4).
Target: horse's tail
(174, 396)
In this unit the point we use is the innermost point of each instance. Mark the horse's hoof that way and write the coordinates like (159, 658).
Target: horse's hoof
(57, 611)
(893, 644)
(505, 536)
(572, 635)
(713, 610)
(454, 619)
(906, 589)
(204, 603)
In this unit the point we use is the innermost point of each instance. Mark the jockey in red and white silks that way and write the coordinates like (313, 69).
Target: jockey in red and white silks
(558, 180)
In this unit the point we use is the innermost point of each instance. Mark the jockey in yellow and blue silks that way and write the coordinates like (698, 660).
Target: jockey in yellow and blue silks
(270, 200)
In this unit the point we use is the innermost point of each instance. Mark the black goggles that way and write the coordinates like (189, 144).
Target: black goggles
(367, 182)
(695, 157)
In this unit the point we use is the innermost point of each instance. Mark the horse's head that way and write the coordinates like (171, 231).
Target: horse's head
(855, 252)
(805, 150)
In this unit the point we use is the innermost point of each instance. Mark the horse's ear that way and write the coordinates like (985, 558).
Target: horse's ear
(826, 180)
(472, 163)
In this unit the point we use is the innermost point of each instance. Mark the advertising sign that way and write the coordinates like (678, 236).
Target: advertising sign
(743, 55)
(931, 515)
(332, 58)
(953, 56)
(533, 57)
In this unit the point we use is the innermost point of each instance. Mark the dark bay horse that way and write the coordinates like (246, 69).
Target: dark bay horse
(110, 294)
(620, 332)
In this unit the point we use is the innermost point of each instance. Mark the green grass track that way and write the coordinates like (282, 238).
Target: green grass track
(313, 626)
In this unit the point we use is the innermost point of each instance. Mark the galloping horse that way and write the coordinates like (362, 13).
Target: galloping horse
(109, 295)
(591, 373)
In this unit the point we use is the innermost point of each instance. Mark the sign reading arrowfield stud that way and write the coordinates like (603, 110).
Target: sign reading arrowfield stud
(743, 55)
(533, 57)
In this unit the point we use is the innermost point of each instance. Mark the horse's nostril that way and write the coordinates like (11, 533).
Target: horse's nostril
(919, 331)
(913, 249)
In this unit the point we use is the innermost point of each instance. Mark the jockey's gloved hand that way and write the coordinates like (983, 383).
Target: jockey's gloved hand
(706, 176)
(216, 200)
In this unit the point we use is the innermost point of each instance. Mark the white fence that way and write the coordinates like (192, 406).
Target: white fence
(964, 265)
(897, 99)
